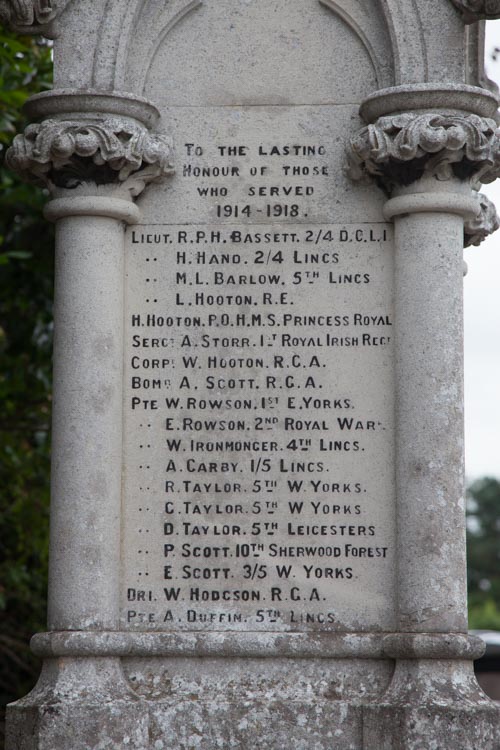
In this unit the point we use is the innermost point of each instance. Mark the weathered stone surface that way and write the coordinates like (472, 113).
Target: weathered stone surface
(487, 222)
(257, 516)
(432, 705)
(79, 704)
(400, 149)
(230, 704)
(27, 13)
(65, 154)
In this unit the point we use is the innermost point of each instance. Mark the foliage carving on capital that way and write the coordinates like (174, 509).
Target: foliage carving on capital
(486, 222)
(477, 10)
(68, 154)
(399, 149)
(27, 13)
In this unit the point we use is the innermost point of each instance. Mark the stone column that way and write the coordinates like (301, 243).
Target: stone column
(94, 168)
(429, 232)
(425, 161)
(87, 414)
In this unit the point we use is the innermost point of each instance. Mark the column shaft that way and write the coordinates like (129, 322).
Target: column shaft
(429, 419)
(87, 424)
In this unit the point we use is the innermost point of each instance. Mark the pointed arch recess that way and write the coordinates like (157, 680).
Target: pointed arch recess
(371, 35)
(125, 47)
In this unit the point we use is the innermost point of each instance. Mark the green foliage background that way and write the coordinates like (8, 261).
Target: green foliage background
(26, 274)
(26, 281)
(483, 554)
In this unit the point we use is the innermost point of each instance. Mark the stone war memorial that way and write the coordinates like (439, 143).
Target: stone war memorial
(257, 519)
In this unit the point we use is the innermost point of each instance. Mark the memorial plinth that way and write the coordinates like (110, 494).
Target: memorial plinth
(257, 524)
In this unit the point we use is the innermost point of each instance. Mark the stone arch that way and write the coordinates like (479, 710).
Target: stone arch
(355, 42)
(407, 40)
(142, 45)
(125, 47)
(125, 44)
(372, 31)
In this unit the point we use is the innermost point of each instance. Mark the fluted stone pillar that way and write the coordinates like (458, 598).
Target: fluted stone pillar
(94, 169)
(426, 161)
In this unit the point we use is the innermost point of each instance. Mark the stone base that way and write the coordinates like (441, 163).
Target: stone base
(206, 725)
(209, 702)
(274, 725)
(432, 705)
(250, 703)
(78, 704)
(113, 726)
(431, 728)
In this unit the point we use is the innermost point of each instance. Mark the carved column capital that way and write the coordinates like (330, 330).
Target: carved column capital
(477, 10)
(399, 149)
(27, 15)
(109, 152)
(485, 223)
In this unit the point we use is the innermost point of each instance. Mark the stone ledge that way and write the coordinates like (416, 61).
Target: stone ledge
(86, 103)
(259, 645)
(426, 97)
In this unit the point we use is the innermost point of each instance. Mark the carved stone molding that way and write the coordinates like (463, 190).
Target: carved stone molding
(487, 221)
(477, 10)
(27, 13)
(68, 154)
(399, 149)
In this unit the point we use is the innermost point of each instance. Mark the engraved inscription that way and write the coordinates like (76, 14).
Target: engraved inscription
(259, 413)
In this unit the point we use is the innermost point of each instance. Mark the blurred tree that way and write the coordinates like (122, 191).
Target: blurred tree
(26, 272)
(483, 553)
